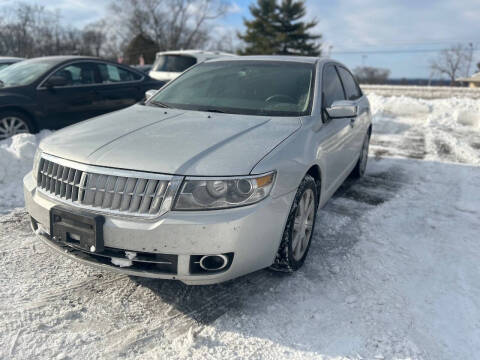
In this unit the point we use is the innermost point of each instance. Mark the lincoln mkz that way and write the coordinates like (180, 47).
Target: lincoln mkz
(217, 174)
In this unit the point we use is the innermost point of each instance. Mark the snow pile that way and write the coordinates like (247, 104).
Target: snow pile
(16, 159)
(445, 130)
(398, 106)
(451, 111)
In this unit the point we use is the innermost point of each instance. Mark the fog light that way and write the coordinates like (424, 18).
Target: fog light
(213, 262)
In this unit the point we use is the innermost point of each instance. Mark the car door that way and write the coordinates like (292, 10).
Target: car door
(73, 101)
(120, 87)
(359, 124)
(336, 133)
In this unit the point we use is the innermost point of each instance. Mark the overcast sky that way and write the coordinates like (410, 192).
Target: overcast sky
(402, 35)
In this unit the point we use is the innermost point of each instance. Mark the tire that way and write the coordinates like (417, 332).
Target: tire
(359, 169)
(13, 123)
(289, 258)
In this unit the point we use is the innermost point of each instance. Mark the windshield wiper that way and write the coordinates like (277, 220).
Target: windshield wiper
(159, 104)
(1, 84)
(215, 111)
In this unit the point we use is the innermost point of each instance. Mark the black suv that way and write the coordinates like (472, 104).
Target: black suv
(53, 92)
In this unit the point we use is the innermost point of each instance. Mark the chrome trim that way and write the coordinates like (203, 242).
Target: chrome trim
(223, 257)
(172, 188)
(106, 170)
(170, 194)
(234, 177)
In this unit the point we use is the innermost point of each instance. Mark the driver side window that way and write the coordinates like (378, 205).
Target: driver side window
(332, 87)
(78, 74)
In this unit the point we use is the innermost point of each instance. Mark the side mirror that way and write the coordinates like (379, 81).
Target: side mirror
(342, 109)
(150, 93)
(56, 80)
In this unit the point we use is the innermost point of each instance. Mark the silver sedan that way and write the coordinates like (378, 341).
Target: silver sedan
(218, 174)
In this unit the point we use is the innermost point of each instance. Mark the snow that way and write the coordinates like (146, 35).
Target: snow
(392, 272)
(121, 262)
(423, 92)
(16, 159)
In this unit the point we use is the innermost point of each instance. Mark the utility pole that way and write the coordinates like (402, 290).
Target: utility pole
(364, 57)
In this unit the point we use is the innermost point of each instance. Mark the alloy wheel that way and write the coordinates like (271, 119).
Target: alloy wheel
(12, 125)
(303, 224)
(364, 156)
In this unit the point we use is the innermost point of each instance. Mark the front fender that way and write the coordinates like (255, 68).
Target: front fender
(291, 159)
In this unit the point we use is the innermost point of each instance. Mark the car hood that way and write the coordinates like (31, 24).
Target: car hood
(172, 141)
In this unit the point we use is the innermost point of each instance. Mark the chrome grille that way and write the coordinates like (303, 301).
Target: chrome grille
(121, 191)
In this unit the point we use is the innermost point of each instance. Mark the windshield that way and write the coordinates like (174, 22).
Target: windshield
(173, 63)
(23, 73)
(4, 65)
(277, 88)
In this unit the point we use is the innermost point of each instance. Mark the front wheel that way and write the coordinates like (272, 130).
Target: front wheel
(298, 231)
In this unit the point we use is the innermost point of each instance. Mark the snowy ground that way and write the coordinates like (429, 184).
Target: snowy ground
(392, 272)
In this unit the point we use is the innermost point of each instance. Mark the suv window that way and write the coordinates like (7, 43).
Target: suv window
(173, 63)
(112, 74)
(79, 74)
(332, 87)
(351, 87)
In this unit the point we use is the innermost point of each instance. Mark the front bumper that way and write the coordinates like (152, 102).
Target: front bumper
(251, 234)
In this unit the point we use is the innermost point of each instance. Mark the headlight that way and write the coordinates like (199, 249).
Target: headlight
(36, 163)
(203, 194)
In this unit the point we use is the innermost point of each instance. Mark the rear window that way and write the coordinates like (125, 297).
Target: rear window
(173, 63)
(112, 74)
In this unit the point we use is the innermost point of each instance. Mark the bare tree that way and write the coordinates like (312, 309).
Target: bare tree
(172, 24)
(93, 39)
(30, 30)
(371, 75)
(226, 41)
(453, 62)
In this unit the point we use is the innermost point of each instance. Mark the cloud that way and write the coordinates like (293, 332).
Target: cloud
(353, 24)
(234, 8)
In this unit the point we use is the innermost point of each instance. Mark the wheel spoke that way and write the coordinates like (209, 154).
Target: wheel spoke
(19, 125)
(307, 201)
(297, 225)
(296, 241)
(298, 248)
(302, 207)
(305, 240)
(310, 210)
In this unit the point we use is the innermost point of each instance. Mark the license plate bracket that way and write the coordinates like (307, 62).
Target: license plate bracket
(79, 229)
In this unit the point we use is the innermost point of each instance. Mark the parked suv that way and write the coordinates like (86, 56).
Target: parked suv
(218, 174)
(7, 61)
(53, 92)
(168, 65)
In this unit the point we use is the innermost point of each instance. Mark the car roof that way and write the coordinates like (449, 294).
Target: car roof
(61, 58)
(321, 61)
(289, 58)
(194, 52)
(9, 59)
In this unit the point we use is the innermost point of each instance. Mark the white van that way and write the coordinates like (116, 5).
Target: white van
(169, 64)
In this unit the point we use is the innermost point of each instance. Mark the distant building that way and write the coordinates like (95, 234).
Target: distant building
(473, 81)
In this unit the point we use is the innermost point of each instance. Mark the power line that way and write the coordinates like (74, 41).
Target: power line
(411, 51)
